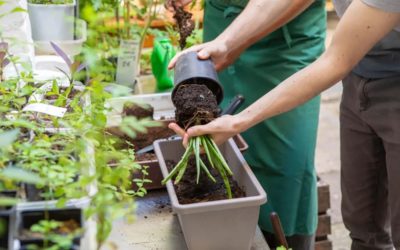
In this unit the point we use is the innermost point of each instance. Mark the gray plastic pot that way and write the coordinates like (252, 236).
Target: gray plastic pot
(52, 22)
(189, 69)
(224, 224)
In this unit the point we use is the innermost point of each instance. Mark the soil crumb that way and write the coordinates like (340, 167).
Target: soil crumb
(184, 22)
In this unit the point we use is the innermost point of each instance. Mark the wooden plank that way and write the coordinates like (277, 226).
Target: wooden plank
(324, 225)
(324, 202)
(323, 245)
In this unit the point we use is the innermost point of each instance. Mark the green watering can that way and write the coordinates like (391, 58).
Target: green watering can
(163, 52)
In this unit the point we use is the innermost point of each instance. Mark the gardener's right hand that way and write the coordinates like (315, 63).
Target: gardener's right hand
(221, 129)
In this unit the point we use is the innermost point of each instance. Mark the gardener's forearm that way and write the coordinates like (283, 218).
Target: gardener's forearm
(258, 19)
(360, 28)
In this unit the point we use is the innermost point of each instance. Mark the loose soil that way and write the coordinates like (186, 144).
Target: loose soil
(142, 140)
(139, 111)
(195, 105)
(189, 192)
(71, 95)
(184, 22)
(67, 227)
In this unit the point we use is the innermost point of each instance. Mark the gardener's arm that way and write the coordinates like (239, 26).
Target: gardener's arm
(360, 28)
(258, 19)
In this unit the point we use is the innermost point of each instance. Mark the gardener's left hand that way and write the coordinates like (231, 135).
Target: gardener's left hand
(221, 129)
(217, 50)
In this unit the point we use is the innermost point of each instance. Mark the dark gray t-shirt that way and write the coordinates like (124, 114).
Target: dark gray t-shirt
(383, 60)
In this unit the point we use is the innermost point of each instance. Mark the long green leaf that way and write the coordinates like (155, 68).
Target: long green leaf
(8, 137)
(197, 154)
(207, 171)
(181, 163)
(218, 155)
(22, 175)
(208, 154)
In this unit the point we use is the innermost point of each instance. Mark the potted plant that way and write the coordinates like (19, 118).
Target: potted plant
(50, 228)
(52, 20)
(215, 224)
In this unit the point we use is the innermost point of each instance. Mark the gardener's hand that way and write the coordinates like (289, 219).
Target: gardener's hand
(220, 54)
(221, 129)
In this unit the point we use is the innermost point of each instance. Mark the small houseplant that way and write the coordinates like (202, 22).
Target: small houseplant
(60, 12)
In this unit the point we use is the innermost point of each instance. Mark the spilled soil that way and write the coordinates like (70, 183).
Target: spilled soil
(189, 192)
(195, 105)
(139, 111)
(65, 228)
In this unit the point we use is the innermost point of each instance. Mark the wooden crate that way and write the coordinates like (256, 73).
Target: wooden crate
(324, 219)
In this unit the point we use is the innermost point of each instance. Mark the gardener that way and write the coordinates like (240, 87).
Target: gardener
(366, 43)
(284, 163)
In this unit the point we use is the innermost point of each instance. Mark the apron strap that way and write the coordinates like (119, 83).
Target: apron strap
(231, 11)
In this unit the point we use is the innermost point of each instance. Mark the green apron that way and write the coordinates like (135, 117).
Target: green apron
(281, 151)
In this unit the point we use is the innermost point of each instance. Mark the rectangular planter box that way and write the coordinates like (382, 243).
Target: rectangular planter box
(29, 217)
(155, 174)
(224, 224)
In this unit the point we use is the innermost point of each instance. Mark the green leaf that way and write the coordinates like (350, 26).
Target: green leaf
(8, 137)
(18, 174)
(8, 201)
(18, 9)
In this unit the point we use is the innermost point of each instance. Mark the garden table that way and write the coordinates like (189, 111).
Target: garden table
(156, 227)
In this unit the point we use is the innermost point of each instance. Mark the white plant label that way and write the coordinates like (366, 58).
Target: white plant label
(45, 109)
(127, 65)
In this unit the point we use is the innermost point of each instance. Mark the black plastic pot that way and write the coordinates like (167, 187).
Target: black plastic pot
(7, 222)
(189, 69)
(27, 218)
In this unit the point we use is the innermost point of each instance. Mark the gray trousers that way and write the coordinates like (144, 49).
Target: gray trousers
(370, 161)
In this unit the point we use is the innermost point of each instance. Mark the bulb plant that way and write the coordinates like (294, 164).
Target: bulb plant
(215, 159)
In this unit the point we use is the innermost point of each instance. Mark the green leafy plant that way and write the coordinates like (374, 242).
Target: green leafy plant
(214, 157)
(52, 239)
(51, 1)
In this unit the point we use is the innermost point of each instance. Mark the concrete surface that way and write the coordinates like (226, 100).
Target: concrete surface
(156, 227)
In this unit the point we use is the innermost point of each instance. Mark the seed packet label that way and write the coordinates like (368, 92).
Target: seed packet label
(45, 109)
(127, 65)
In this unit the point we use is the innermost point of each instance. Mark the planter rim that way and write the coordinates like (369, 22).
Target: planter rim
(258, 199)
(52, 5)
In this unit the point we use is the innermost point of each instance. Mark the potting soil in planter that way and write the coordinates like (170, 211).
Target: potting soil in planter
(188, 191)
(142, 139)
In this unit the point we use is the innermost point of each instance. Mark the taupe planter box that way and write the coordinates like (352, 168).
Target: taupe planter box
(225, 224)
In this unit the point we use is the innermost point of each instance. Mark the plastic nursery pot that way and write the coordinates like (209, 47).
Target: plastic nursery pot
(52, 22)
(189, 69)
(7, 221)
(29, 217)
(223, 224)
